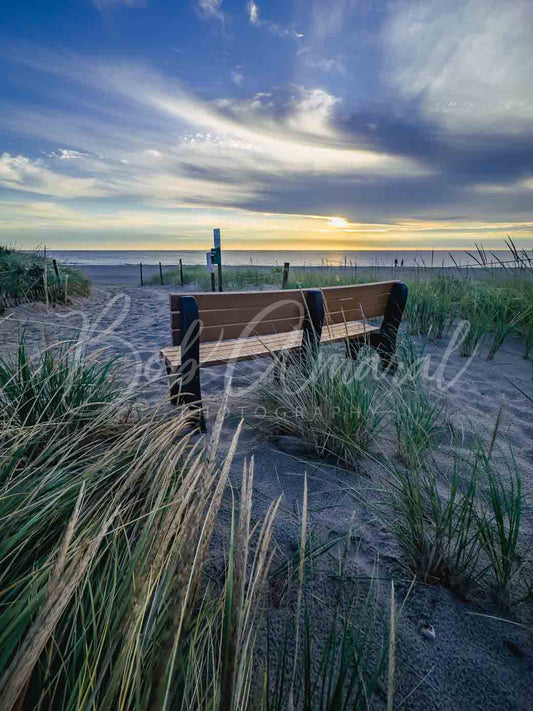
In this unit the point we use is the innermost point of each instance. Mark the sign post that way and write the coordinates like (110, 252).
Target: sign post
(210, 269)
(216, 256)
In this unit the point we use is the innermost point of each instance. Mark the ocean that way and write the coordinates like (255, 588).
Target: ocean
(360, 258)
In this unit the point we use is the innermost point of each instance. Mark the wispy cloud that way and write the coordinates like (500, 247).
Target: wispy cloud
(326, 65)
(120, 145)
(21, 173)
(211, 9)
(252, 9)
(237, 77)
(476, 76)
(330, 18)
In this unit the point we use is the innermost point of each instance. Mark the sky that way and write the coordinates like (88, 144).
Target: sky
(289, 124)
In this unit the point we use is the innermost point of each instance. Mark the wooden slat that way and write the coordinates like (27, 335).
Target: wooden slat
(256, 347)
(351, 310)
(243, 330)
(359, 291)
(209, 300)
(226, 316)
(280, 309)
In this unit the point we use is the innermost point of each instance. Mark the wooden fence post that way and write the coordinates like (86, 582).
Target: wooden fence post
(181, 273)
(56, 270)
(161, 272)
(141, 270)
(285, 277)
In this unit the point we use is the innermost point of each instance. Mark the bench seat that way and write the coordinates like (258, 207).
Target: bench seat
(220, 352)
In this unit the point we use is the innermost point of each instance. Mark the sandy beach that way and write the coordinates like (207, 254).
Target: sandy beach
(475, 662)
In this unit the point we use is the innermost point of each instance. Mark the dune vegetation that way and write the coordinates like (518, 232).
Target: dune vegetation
(30, 276)
(108, 594)
(457, 516)
(135, 572)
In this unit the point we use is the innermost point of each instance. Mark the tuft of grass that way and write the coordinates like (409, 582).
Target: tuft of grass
(507, 311)
(416, 419)
(29, 276)
(498, 523)
(57, 386)
(435, 522)
(336, 407)
(416, 413)
(339, 665)
(498, 308)
(429, 307)
(463, 529)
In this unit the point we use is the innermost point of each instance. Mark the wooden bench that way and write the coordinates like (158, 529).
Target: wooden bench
(215, 328)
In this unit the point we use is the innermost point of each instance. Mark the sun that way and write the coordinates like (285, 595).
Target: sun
(338, 222)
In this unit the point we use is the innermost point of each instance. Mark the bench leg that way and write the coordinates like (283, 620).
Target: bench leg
(312, 326)
(386, 348)
(174, 386)
(280, 367)
(189, 370)
(191, 392)
(384, 340)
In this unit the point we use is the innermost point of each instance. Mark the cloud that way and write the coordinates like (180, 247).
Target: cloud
(327, 65)
(467, 64)
(313, 111)
(211, 9)
(120, 133)
(21, 173)
(331, 18)
(252, 9)
(237, 78)
(253, 12)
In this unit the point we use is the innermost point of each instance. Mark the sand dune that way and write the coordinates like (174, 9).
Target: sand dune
(475, 662)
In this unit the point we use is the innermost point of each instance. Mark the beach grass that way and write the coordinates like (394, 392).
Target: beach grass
(460, 526)
(108, 597)
(30, 276)
(335, 407)
(437, 531)
(57, 385)
(106, 531)
(234, 279)
(493, 310)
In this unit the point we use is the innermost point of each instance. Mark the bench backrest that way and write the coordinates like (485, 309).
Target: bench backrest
(236, 314)
(357, 302)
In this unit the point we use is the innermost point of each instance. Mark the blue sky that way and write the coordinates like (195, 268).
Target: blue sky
(289, 124)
